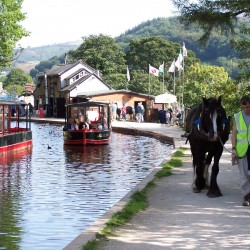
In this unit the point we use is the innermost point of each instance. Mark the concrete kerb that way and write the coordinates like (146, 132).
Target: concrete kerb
(176, 141)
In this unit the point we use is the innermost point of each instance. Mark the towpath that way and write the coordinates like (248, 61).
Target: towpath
(177, 218)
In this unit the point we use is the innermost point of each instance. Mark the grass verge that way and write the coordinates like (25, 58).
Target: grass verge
(137, 203)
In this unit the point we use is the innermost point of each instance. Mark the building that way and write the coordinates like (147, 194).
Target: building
(127, 97)
(61, 85)
(76, 82)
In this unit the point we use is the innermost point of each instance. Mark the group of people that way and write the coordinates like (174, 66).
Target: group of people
(118, 113)
(78, 123)
(121, 113)
(173, 116)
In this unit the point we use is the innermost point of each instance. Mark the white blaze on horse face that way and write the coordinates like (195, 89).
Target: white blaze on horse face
(214, 119)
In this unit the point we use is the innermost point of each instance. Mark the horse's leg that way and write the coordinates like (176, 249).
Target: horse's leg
(199, 182)
(214, 190)
(207, 164)
(195, 190)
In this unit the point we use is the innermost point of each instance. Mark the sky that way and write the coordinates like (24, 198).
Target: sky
(59, 21)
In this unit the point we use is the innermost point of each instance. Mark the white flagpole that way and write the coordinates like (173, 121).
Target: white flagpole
(182, 108)
(182, 82)
(174, 81)
(163, 78)
(148, 79)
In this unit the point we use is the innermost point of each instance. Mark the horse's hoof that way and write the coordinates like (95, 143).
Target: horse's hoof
(214, 195)
(196, 190)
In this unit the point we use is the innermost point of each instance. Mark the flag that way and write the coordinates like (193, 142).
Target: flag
(178, 62)
(128, 75)
(161, 68)
(153, 71)
(172, 67)
(184, 50)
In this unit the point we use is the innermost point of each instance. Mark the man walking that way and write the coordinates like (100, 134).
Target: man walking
(240, 146)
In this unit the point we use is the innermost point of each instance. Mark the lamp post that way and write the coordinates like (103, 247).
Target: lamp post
(46, 93)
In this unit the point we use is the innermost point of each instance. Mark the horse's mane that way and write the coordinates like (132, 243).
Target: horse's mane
(195, 115)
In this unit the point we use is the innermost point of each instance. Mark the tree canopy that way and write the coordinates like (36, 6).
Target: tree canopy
(17, 78)
(10, 30)
(220, 15)
(102, 53)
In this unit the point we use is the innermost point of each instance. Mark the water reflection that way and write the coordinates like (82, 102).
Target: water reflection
(48, 196)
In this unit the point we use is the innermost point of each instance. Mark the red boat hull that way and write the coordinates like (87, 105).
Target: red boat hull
(15, 141)
(87, 137)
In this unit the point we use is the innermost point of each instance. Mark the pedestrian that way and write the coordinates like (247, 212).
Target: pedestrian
(168, 117)
(124, 111)
(118, 112)
(138, 112)
(114, 109)
(240, 139)
(142, 112)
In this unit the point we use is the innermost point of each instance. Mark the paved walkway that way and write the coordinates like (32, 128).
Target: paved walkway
(177, 218)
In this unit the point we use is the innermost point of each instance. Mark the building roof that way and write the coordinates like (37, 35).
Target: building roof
(112, 91)
(61, 69)
(75, 73)
(79, 81)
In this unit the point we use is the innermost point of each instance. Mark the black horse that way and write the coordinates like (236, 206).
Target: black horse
(208, 129)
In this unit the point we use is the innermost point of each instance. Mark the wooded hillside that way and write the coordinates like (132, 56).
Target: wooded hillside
(217, 52)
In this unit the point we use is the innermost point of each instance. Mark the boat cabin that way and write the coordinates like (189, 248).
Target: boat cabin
(87, 123)
(14, 134)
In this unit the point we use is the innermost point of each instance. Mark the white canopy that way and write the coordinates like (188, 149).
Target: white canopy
(165, 98)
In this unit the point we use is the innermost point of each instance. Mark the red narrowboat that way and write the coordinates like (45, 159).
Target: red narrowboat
(87, 123)
(14, 135)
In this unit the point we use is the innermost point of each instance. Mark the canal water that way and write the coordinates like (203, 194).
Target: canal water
(48, 196)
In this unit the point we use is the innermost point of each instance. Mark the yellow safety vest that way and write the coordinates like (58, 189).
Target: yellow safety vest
(242, 136)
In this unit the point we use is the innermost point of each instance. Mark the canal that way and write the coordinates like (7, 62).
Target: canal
(48, 196)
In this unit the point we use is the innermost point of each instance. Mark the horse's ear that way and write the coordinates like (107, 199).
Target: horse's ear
(219, 100)
(204, 101)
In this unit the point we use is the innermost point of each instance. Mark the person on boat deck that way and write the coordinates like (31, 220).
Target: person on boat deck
(77, 123)
(101, 123)
(82, 123)
(72, 124)
(99, 126)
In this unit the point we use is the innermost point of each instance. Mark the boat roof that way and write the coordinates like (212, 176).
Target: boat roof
(10, 100)
(87, 104)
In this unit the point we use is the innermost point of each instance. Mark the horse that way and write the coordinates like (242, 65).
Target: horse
(207, 129)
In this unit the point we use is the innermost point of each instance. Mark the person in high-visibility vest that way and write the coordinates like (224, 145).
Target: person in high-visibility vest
(240, 139)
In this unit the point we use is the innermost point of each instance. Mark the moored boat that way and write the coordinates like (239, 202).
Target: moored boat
(87, 123)
(14, 135)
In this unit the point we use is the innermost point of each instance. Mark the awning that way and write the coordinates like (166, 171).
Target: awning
(165, 98)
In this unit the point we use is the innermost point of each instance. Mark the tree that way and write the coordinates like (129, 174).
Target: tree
(220, 15)
(141, 83)
(102, 53)
(151, 50)
(116, 81)
(10, 30)
(206, 81)
(17, 78)
(154, 50)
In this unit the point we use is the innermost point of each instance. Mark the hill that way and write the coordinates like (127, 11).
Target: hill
(26, 67)
(217, 52)
(43, 53)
